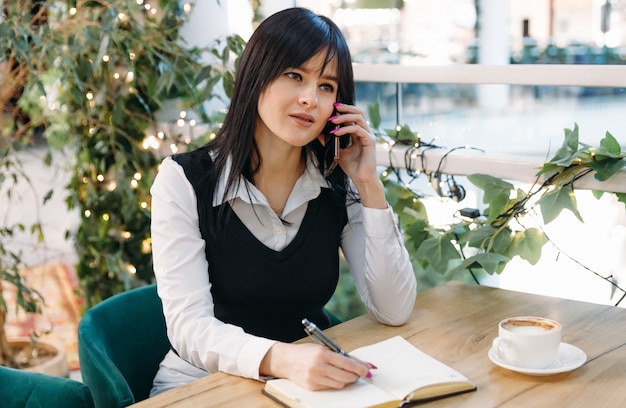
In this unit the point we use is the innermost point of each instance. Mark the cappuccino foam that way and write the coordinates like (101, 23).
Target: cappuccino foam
(529, 326)
(530, 330)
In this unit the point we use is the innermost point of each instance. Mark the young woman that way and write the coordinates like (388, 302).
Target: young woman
(246, 230)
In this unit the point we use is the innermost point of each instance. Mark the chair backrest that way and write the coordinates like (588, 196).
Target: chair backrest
(121, 342)
(26, 389)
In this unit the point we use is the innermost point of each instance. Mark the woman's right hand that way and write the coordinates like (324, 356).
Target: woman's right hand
(313, 366)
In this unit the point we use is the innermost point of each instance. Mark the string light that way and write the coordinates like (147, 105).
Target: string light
(146, 246)
(134, 183)
(151, 142)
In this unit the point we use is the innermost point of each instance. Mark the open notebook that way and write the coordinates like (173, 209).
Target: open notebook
(404, 375)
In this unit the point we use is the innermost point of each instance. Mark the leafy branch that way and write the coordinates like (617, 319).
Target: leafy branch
(487, 242)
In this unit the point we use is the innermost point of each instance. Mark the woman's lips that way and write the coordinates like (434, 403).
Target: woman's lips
(303, 119)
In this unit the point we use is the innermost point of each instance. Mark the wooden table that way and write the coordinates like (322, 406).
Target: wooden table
(456, 324)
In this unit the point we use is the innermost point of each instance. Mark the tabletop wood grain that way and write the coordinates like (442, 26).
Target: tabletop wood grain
(456, 323)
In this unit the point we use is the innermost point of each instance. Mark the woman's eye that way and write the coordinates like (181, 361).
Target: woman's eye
(294, 75)
(327, 88)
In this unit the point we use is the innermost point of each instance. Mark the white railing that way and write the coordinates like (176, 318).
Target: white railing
(466, 162)
(518, 74)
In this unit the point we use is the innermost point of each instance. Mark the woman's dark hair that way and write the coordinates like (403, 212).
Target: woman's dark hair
(284, 40)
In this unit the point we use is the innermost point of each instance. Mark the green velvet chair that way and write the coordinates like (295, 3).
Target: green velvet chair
(121, 342)
(25, 389)
(334, 320)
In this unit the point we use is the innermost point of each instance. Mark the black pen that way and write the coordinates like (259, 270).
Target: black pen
(316, 334)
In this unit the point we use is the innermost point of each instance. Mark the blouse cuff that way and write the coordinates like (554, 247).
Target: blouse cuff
(379, 223)
(253, 353)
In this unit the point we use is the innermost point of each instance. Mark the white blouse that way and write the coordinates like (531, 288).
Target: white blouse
(371, 242)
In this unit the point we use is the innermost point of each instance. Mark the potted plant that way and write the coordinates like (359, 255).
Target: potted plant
(94, 75)
(29, 353)
(17, 66)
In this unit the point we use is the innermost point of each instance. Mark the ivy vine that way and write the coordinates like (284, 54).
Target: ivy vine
(485, 243)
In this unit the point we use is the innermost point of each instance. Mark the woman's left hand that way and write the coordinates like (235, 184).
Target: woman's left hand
(358, 161)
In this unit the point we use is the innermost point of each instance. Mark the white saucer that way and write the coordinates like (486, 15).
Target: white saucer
(567, 358)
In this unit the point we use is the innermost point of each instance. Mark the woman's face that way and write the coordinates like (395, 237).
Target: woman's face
(296, 106)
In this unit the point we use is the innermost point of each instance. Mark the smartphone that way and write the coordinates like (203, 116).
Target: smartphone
(338, 143)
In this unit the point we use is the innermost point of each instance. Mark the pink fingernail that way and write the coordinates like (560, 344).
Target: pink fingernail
(372, 365)
(369, 375)
(337, 104)
(332, 118)
(334, 131)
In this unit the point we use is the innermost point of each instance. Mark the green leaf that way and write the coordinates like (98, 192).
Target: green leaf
(549, 168)
(567, 152)
(492, 186)
(488, 238)
(597, 193)
(490, 262)
(555, 201)
(403, 135)
(606, 169)
(48, 196)
(438, 251)
(417, 232)
(610, 144)
(396, 192)
(229, 83)
(373, 111)
(206, 73)
(527, 245)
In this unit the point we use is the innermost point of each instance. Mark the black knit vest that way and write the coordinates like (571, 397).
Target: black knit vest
(268, 292)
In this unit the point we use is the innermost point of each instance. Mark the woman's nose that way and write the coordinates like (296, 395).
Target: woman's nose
(308, 98)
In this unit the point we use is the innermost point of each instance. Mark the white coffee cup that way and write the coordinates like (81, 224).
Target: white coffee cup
(527, 341)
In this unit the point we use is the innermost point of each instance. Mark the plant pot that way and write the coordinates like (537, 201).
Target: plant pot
(55, 360)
